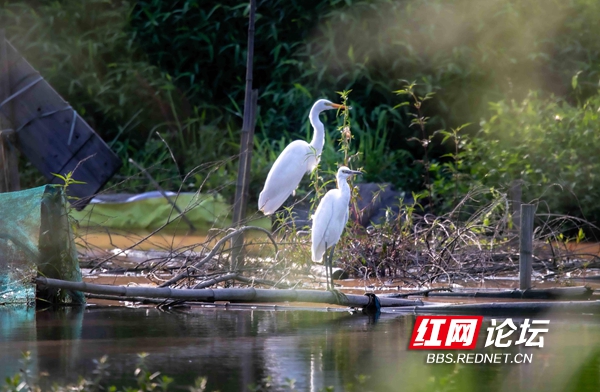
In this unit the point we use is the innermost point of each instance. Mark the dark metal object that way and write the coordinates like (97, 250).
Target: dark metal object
(50, 133)
(373, 306)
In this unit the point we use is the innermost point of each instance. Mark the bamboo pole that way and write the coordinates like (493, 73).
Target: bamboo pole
(526, 246)
(228, 295)
(248, 114)
(241, 190)
(239, 212)
(580, 292)
(246, 145)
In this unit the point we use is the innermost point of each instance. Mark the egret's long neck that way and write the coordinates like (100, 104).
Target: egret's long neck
(318, 139)
(343, 186)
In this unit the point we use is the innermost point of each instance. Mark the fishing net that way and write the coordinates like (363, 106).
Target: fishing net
(36, 239)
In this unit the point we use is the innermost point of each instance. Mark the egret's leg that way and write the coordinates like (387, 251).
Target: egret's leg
(339, 296)
(331, 267)
(325, 264)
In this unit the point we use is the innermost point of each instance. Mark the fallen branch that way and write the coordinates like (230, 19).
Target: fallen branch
(423, 292)
(213, 281)
(265, 282)
(228, 295)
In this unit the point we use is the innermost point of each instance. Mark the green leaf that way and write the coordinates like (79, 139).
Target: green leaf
(401, 104)
(574, 80)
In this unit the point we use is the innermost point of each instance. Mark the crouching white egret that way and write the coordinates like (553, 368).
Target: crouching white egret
(298, 158)
(330, 220)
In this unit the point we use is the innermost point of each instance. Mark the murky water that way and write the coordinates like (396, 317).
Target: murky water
(236, 348)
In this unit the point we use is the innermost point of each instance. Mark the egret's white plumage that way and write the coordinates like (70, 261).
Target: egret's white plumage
(298, 158)
(331, 216)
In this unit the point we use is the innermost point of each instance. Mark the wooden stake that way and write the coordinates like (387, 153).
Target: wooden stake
(515, 198)
(9, 161)
(246, 137)
(526, 246)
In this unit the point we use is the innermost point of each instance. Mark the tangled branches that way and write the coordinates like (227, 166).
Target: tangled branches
(475, 241)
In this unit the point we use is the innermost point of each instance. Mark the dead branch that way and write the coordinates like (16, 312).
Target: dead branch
(423, 292)
(214, 250)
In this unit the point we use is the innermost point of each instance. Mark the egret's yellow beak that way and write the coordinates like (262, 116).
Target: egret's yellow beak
(338, 106)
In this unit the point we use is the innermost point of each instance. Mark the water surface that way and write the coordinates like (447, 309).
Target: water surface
(236, 348)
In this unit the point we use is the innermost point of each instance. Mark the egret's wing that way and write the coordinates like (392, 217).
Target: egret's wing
(328, 224)
(284, 176)
(338, 220)
(320, 226)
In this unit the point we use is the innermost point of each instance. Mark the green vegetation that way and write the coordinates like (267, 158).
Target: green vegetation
(135, 68)
(548, 144)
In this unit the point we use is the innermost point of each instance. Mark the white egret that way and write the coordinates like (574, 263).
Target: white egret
(330, 219)
(298, 158)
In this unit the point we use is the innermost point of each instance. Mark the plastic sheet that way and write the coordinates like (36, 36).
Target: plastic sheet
(151, 211)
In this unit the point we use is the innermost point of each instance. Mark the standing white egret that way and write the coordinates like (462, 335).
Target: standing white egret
(330, 220)
(298, 158)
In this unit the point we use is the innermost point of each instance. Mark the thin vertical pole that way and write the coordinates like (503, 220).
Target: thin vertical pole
(241, 190)
(4, 75)
(526, 246)
(9, 161)
(247, 158)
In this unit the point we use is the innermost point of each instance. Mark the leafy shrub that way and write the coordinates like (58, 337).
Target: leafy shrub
(549, 144)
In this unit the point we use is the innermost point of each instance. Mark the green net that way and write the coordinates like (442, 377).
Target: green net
(36, 238)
